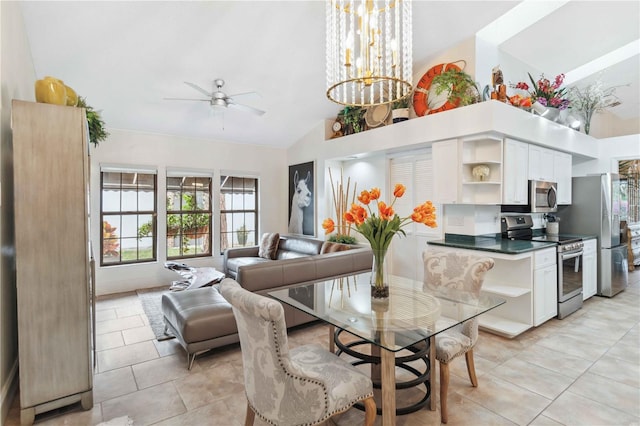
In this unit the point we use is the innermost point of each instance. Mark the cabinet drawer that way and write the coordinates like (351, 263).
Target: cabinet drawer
(543, 258)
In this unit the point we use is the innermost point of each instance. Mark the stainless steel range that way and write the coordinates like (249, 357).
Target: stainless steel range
(569, 260)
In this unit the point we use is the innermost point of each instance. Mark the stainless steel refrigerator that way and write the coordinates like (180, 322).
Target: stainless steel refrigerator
(595, 210)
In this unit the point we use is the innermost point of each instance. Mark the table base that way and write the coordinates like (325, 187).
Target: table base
(420, 351)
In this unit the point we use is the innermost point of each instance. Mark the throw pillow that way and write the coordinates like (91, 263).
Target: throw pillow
(269, 245)
(331, 247)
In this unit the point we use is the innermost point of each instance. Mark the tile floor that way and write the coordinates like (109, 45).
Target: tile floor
(583, 370)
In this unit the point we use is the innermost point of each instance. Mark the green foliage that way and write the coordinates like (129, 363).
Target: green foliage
(97, 133)
(341, 238)
(401, 103)
(460, 87)
(180, 224)
(353, 116)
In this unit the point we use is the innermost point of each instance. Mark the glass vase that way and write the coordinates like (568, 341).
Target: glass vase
(379, 275)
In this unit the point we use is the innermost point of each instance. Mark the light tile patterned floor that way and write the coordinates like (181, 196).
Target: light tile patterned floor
(583, 370)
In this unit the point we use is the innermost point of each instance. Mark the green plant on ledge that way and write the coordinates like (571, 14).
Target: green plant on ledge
(97, 133)
(401, 103)
(460, 88)
(353, 118)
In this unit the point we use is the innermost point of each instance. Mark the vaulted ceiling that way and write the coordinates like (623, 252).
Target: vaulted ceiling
(126, 57)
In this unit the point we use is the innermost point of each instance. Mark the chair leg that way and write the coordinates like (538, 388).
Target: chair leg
(471, 368)
(250, 416)
(444, 387)
(369, 411)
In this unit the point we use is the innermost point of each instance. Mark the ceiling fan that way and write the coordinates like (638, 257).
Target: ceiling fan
(218, 99)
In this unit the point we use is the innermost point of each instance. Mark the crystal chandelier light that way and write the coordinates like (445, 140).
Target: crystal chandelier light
(369, 51)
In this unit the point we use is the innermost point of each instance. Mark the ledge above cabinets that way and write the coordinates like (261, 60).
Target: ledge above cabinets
(489, 117)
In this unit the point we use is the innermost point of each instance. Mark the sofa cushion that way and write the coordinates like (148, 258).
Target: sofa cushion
(331, 247)
(269, 245)
(302, 246)
(234, 263)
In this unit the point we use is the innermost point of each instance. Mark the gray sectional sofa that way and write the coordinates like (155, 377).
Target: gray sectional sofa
(201, 319)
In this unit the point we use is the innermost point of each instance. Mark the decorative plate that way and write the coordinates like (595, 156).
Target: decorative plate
(377, 115)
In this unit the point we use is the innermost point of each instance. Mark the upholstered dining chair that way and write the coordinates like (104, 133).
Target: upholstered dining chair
(303, 386)
(445, 273)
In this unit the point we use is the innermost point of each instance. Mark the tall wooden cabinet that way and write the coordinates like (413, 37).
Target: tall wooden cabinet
(53, 262)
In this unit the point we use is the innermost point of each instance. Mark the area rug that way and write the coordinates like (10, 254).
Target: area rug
(151, 299)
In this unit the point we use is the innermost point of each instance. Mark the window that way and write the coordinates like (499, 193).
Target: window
(188, 216)
(238, 211)
(128, 215)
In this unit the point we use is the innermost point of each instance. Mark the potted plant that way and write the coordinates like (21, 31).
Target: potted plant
(460, 88)
(353, 118)
(97, 133)
(400, 110)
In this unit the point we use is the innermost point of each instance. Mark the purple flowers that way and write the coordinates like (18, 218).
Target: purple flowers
(545, 92)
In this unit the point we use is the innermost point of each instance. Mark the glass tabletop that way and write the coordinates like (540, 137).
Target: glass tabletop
(409, 316)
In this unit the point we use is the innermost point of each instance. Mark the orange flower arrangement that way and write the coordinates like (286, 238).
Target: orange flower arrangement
(379, 229)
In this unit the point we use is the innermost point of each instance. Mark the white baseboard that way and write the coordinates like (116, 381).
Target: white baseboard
(8, 392)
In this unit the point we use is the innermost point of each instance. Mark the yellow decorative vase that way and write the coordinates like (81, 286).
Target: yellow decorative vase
(72, 97)
(50, 90)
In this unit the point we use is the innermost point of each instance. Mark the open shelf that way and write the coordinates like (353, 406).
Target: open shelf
(504, 290)
(503, 326)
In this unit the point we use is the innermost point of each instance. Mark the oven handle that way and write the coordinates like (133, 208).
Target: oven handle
(571, 255)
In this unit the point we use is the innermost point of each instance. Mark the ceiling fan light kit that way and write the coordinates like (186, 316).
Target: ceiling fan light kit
(368, 51)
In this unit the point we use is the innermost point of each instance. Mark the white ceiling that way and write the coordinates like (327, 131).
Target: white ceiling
(125, 57)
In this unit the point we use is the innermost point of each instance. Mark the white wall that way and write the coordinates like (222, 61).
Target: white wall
(610, 151)
(18, 78)
(269, 165)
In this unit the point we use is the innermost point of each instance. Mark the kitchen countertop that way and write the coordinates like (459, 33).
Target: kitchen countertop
(494, 244)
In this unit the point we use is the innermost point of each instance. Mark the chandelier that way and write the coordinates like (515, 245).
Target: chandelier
(369, 60)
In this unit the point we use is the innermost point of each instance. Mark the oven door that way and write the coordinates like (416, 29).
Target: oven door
(570, 266)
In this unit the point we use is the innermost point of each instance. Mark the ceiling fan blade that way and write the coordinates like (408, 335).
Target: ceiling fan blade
(254, 94)
(186, 99)
(199, 89)
(246, 108)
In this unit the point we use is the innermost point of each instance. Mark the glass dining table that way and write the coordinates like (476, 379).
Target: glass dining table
(396, 333)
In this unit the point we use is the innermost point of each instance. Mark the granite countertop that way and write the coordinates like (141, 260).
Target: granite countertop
(494, 244)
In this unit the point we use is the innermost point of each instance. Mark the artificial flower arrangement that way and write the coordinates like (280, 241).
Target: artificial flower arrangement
(593, 98)
(543, 91)
(341, 195)
(380, 228)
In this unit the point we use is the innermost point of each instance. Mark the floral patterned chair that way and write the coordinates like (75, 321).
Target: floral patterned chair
(302, 386)
(445, 272)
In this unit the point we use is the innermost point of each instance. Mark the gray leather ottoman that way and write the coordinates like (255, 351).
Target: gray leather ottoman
(201, 319)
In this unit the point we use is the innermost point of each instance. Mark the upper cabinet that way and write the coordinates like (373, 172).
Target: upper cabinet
(562, 166)
(540, 163)
(553, 166)
(445, 171)
(468, 171)
(516, 172)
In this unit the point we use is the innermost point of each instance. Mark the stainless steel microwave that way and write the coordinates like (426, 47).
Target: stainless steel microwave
(543, 196)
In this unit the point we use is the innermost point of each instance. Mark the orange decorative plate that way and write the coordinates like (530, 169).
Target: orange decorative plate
(422, 91)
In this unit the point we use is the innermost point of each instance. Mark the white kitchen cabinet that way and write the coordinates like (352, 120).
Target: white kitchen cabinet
(589, 269)
(540, 163)
(562, 176)
(445, 171)
(455, 163)
(545, 286)
(516, 159)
